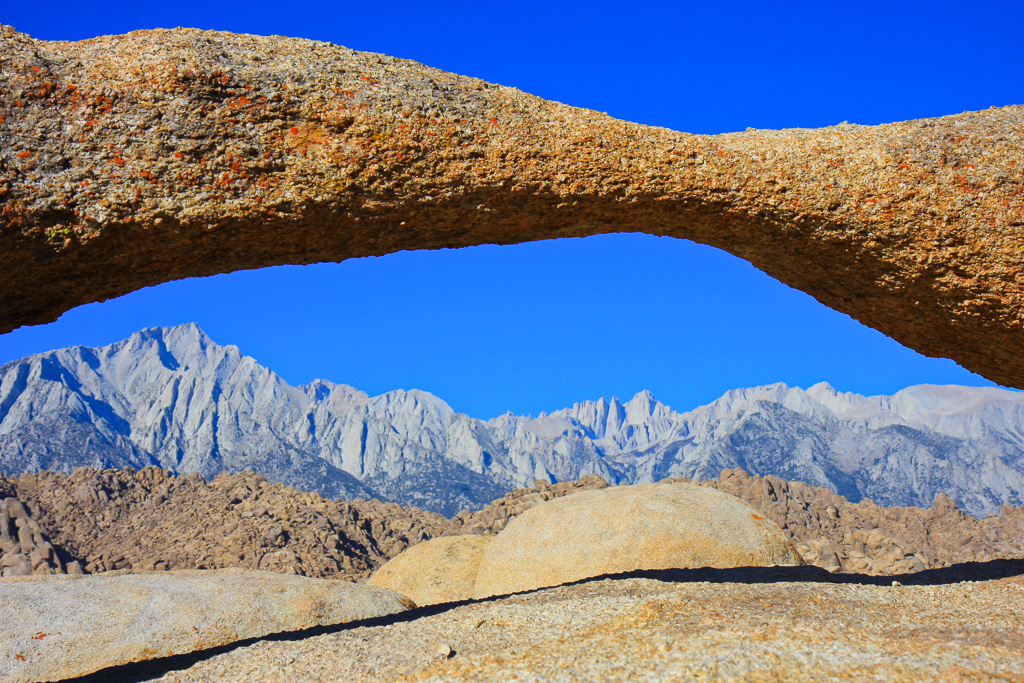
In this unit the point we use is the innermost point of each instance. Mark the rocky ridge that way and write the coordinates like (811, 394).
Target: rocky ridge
(174, 398)
(136, 159)
(125, 520)
(151, 520)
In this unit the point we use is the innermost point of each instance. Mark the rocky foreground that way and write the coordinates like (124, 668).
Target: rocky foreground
(963, 619)
(782, 624)
(96, 521)
(59, 627)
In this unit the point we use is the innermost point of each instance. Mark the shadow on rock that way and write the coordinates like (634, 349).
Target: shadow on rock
(969, 571)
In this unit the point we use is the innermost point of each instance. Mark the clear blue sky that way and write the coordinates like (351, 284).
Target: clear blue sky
(538, 326)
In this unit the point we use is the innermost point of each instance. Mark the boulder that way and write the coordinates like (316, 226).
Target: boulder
(61, 626)
(439, 570)
(621, 529)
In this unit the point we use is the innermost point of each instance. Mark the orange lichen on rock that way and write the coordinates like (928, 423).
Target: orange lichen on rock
(913, 228)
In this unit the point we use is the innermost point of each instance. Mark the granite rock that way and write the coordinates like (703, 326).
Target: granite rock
(622, 529)
(165, 154)
(438, 570)
(57, 627)
(755, 624)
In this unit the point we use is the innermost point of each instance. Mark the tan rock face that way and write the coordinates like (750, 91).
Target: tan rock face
(621, 529)
(157, 155)
(57, 627)
(435, 571)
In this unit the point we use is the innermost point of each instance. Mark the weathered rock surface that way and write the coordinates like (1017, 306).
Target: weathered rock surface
(136, 159)
(622, 529)
(57, 627)
(828, 530)
(779, 624)
(149, 520)
(100, 521)
(25, 549)
(435, 571)
(866, 538)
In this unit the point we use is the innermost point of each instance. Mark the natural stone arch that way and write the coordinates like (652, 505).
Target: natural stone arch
(127, 161)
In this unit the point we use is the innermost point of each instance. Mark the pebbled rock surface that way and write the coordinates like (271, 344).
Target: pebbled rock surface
(750, 624)
(132, 160)
(435, 571)
(648, 526)
(57, 627)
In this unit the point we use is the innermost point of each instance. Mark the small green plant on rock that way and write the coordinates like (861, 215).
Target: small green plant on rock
(59, 234)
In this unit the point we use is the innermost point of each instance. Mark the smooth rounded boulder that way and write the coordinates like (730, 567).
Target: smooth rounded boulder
(628, 528)
(58, 626)
(439, 570)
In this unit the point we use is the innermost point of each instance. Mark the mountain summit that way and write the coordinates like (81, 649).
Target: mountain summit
(173, 397)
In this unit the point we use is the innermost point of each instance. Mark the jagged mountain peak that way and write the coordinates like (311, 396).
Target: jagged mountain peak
(415, 400)
(172, 396)
(183, 336)
(338, 397)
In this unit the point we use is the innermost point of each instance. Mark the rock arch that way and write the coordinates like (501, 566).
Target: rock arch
(131, 160)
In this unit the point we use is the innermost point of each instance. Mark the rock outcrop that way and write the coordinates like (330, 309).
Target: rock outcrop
(627, 528)
(132, 160)
(25, 549)
(435, 571)
(149, 520)
(100, 521)
(57, 627)
(827, 530)
(866, 538)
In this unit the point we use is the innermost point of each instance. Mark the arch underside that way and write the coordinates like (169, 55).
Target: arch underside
(131, 160)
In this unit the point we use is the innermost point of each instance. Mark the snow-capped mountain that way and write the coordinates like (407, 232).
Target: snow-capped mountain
(172, 397)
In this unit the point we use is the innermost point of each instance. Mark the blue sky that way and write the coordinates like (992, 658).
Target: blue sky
(538, 326)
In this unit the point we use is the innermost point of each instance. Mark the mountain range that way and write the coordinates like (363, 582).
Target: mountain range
(172, 397)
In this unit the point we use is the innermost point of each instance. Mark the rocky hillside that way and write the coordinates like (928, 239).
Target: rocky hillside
(107, 520)
(173, 398)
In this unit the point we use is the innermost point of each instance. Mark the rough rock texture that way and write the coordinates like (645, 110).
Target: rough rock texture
(827, 530)
(119, 519)
(496, 516)
(56, 627)
(25, 548)
(621, 529)
(435, 571)
(778, 624)
(148, 519)
(131, 160)
(866, 538)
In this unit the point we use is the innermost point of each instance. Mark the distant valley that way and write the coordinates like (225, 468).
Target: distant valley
(174, 398)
